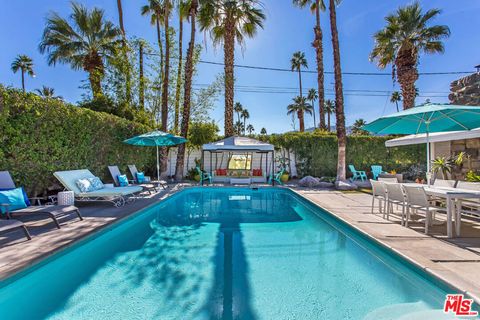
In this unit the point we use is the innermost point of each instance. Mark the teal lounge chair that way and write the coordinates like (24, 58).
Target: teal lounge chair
(204, 176)
(277, 177)
(357, 174)
(116, 195)
(376, 171)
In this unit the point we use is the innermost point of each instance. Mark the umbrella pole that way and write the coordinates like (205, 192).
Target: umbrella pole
(158, 166)
(429, 175)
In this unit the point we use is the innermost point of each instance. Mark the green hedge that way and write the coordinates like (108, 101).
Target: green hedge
(316, 153)
(40, 136)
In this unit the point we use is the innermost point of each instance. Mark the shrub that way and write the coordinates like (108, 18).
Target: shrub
(40, 136)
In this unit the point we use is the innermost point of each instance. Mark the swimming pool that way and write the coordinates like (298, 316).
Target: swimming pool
(225, 253)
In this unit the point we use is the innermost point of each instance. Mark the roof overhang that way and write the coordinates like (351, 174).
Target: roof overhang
(433, 137)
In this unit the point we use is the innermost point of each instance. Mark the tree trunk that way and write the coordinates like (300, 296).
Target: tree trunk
(179, 77)
(328, 118)
(165, 84)
(229, 53)
(314, 118)
(301, 119)
(407, 74)
(126, 67)
(23, 81)
(318, 45)
(160, 47)
(141, 86)
(187, 91)
(94, 78)
(340, 114)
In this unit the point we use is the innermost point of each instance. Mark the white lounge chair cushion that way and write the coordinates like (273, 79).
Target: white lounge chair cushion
(116, 191)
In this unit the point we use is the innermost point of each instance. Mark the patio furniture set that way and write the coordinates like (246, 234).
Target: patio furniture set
(444, 196)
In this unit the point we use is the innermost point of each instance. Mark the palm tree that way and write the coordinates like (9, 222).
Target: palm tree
(297, 62)
(154, 8)
(183, 8)
(166, 75)
(238, 108)
(312, 96)
(85, 42)
(47, 92)
(239, 127)
(263, 131)
(407, 35)
(245, 115)
(250, 129)
(357, 128)
(340, 113)
(300, 107)
(329, 109)
(25, 64)
(187, 89)
(230, 20)
(317, 6)
(128, 89)
(395, 98)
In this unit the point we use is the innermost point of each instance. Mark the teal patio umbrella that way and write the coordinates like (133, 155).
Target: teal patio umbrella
(427, 118)
(156, 139)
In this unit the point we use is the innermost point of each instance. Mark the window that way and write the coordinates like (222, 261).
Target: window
(240, 162)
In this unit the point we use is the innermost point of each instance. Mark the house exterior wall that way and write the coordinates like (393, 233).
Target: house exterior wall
(451, 148)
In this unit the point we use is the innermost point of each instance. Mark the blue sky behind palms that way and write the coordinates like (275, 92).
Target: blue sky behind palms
(287, 29)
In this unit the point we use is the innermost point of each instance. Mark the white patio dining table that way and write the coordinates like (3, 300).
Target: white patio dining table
(453, 197)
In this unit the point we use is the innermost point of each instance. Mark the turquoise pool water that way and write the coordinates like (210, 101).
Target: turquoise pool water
(225, 253)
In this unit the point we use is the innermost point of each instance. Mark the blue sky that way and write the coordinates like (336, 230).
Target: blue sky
(287, 29)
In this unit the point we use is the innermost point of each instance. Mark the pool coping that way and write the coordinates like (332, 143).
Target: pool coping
(447, 282)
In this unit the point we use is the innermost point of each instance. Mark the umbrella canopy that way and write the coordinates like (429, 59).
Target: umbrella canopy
(427, 118)
(156, 139)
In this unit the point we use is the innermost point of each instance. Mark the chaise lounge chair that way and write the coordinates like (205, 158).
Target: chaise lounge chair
(11, 225)
(118, 196)
(53, 212)
(115, 172)
(134, 171)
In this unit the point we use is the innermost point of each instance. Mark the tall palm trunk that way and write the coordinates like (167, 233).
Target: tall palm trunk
(164, 151)
(407, 75)
(229, 56)
(328, 119)
(141, 86)
(128, 78)
(179, 77)
(318, 45)
(23, 81)
(301, 118)
(160, 46)
(244, 124)
(314, 116)
(340, 115)
(187, 91)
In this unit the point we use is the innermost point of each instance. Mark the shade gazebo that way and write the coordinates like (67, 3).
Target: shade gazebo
(257, 154)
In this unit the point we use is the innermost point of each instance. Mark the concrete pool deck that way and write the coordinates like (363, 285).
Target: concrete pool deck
(456, 261)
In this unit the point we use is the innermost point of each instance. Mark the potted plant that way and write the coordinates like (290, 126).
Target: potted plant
(285, 176)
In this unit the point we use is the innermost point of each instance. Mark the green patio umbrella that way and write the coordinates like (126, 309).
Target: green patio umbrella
(156, 139)
(427, 118)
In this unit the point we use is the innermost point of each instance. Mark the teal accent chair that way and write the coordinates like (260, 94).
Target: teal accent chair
(357, 174)
(376, 171)
(277, 177)
(204, 176)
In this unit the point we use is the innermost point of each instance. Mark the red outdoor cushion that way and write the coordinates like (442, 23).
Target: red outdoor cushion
(257, 172)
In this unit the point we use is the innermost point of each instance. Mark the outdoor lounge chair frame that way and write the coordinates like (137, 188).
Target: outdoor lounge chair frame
(7, 226)
(115, 172)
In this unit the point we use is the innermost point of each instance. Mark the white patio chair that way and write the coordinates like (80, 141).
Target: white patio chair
(388, 180)
(395, 195)
(444, 183)
(418, 200)
(379, 192)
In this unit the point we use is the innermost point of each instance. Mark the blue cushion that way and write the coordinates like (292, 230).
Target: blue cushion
(140, 177)
(84, 185)
(14, 198)
(97, 184)
(25, 197)
(122, 180)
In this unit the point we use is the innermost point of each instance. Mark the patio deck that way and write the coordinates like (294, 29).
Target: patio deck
(456, 260)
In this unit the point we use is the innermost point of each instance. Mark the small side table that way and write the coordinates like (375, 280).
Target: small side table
(66, 198)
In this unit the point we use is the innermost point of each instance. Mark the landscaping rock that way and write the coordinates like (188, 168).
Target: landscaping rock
(309, 181)
(345, 185)
(325, 185)
(363, 184)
